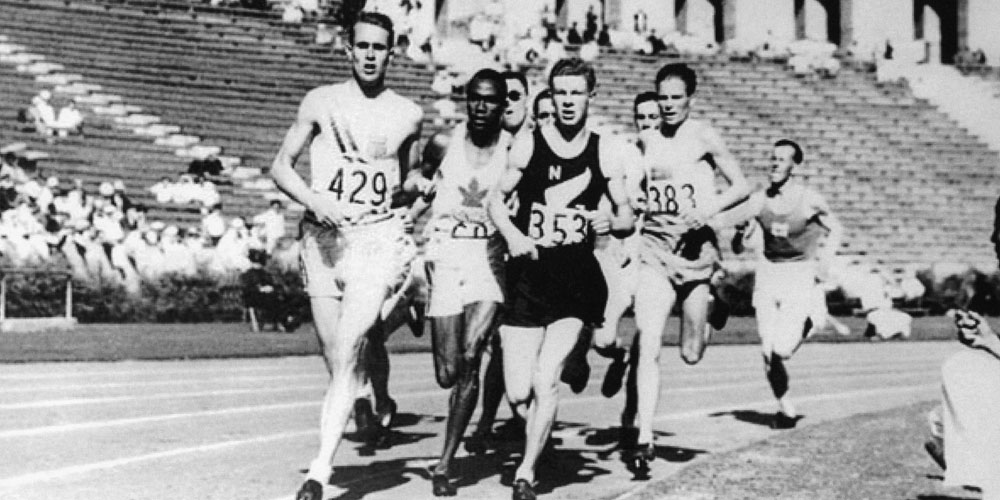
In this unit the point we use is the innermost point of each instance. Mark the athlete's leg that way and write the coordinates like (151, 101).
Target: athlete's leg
(343, 340)
(653, 303)
(519, 368)
(558, 340)
(478, 319)
(779, 340)
(493, 389)
(447, 334)
(377, 359)
(694, 331)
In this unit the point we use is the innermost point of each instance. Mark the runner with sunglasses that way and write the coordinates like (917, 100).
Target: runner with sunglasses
(356, 256)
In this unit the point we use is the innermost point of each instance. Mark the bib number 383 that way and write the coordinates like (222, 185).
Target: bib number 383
(557, 226)
(664, 197)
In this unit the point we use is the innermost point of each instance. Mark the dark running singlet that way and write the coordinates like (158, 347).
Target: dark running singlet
(554, 197)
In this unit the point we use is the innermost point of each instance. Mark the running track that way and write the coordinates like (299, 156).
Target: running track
(246, 429)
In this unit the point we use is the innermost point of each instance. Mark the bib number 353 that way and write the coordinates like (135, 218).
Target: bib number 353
(557, 226)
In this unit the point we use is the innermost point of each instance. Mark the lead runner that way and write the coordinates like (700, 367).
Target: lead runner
(355, 253)
(555, 285)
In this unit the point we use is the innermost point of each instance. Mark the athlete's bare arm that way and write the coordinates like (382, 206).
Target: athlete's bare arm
(614, 160)
(518, 244)
(827, 219)
(299, 136)
(739, 188)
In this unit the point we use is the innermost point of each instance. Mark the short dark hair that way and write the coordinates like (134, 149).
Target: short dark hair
(544, 94)
(574, 66)
(679, 70)
(646, 96)
(275, 202)
(516, 75)
(797, 155)
(489, 75)
(375, 19)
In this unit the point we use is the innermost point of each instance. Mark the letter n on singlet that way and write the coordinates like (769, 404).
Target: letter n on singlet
(555, 172)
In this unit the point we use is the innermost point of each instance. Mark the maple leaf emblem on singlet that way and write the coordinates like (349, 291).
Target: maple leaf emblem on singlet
(472, 196)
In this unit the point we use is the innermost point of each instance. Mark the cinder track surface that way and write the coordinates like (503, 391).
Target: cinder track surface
(247, 429)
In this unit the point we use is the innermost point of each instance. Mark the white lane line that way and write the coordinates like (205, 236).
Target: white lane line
(59, 403)
(666, 391)
(403, 381)
(60, 473)
(96, 424)
(399, 366)
(596, 375)
(764, 403)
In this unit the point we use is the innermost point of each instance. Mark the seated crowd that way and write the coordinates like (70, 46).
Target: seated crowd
(41, 114)
(104, 236)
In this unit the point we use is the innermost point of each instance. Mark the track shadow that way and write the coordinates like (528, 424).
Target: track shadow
(612, 435)
(363, 480)
(945, 497)
(752, 416)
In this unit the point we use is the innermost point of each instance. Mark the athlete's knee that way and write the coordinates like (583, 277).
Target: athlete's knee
(692, 354)
(545, 386)
(446, 374)
(518, 394)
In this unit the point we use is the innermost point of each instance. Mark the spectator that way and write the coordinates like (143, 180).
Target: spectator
(261, 292)
(119, 199)
(273, 222)
(604, 37)
(590, 30)
(163, 190)
(641, 22)
(41, 112)
(208, 167)
(573, 37)
(70, 120)
(292, 14)
(324, 35)
(656, 44)
(888, 53)
(213, 224)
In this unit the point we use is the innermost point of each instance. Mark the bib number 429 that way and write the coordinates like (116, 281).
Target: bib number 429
(360, 187)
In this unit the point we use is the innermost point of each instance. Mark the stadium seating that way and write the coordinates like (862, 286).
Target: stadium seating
(909, 184)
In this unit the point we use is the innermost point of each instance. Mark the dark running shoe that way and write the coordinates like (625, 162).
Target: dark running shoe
(637, 460)
(310, 490)
(576, 373)
(441, 486)
(720, 312)
(936, 451)
(523, 490)
(386, 414)
(782, 421)
(615, 376)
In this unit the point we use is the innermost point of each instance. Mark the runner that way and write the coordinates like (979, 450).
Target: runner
(791, 219)
(678, 252)
(355, 254)
(555, 285)
(464, 254)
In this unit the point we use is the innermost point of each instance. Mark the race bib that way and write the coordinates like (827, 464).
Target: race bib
(458, 229)
(779, 229)
(551, 227)
(666, 197)
(362, 184)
